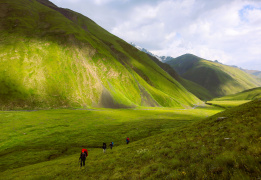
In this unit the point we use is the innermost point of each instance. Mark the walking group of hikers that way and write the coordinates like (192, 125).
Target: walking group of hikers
(84, 152)
(104, 146)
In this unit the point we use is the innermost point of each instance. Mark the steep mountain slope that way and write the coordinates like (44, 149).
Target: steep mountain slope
(249, 94)
(192, 87)
(219, 79)
(54, 57)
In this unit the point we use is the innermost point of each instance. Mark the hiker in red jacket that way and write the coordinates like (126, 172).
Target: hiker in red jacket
(127, 140)
(83, 156)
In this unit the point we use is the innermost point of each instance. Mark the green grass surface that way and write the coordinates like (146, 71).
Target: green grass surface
(249, 94)
(165, 143)
(40, 136)
(227, 104)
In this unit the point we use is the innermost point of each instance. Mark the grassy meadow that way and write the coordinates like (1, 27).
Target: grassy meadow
(30, 139)
(249, 94)
(201, 143)
(227, 104)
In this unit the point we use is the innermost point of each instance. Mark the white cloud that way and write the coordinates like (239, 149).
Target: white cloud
(229, 31)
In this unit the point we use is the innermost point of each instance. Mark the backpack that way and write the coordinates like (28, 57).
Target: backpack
(85, 151)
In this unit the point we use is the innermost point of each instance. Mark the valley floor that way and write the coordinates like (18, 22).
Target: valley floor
(46, 144)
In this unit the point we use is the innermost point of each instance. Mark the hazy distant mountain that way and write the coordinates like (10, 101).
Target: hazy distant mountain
(258, 74)
(55, 57)
(254, 72)
(161, 58)
(219, 79)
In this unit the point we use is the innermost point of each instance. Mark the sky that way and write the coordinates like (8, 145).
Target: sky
(225, 30)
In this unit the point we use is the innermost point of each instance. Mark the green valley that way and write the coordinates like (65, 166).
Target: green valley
(45, 136)
(67, 84)
(165, 143)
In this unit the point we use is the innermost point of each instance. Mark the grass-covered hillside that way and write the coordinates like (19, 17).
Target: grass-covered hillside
(249, 94)
(219, 79)
(196, 89)
(53, 57)
(164, 143)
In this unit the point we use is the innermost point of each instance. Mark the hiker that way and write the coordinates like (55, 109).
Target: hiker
(127, 140)
(83, 156)
(111, 145)
(104, 147)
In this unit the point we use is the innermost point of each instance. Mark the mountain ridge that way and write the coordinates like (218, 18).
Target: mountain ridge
(219, 79)
(192, 87)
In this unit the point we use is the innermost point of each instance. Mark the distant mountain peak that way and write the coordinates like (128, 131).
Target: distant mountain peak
(161, 58)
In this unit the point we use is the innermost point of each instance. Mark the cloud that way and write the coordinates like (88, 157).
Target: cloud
(229, 31)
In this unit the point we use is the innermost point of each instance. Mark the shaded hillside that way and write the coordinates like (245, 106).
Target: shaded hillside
(219, 79)
(249, 94)
(54, 57)
(192, 87)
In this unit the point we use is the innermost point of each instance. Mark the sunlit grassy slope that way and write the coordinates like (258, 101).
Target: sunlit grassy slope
(223, 146)
(226, 104)
(219, 79)
(250, 94)
(53, 57)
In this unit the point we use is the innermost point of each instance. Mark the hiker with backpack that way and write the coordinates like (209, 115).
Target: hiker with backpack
(127, 140)
(104, 147)
(83, 156)
(111, 145)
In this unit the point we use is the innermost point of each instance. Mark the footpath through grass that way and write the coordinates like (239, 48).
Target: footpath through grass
(37, 136)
